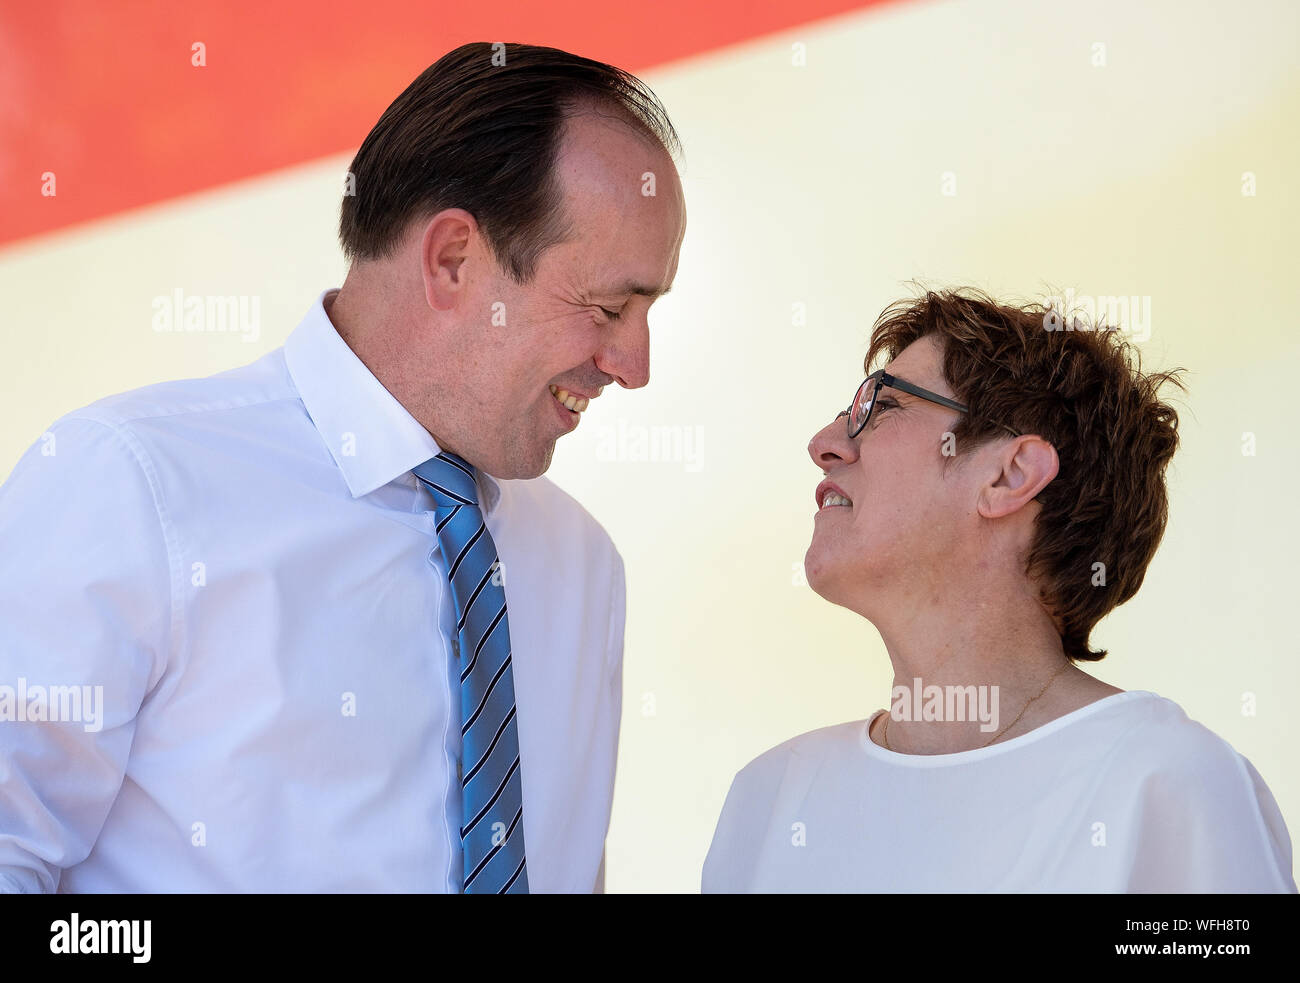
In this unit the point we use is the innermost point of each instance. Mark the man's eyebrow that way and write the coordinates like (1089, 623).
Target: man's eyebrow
(633, 287)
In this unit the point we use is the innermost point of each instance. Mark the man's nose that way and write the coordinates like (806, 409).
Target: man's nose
(831, 446)
(626, 353)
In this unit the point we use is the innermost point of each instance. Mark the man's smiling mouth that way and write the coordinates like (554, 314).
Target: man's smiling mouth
(572, 403)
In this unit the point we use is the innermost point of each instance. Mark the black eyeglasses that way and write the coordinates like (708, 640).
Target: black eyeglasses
(864, 400)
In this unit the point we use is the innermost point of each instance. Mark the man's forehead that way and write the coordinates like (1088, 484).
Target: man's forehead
(603, 167)
(622, 266)
(609, 154)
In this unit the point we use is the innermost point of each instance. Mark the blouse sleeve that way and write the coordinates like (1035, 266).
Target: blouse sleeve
(730, 852)
(1209, 824)
(738, 840)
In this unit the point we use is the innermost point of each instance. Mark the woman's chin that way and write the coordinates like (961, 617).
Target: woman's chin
(832, 579)
(818, 573)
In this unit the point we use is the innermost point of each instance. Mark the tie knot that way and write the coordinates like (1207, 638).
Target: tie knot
(450, 479)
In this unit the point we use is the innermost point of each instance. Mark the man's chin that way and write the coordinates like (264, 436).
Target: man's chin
(522, 467)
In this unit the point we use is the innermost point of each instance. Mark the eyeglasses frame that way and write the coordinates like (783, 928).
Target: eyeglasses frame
(884, 379)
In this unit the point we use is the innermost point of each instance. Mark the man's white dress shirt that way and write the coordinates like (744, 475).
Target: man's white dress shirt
(247, 569)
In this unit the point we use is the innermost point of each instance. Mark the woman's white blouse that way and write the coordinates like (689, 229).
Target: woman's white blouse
(1125, 794)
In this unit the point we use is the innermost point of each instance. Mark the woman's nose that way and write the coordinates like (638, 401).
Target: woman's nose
(831, 446)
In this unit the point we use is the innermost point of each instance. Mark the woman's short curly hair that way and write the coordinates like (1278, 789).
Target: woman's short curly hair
(1080, 387)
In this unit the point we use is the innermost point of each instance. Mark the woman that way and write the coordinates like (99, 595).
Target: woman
(987, 500)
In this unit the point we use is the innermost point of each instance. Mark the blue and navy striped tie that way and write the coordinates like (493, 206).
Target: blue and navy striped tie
(492, 837)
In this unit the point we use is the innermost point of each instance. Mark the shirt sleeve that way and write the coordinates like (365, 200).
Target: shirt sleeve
(617, 626)
(1209, 824)
(614, 672)
(86, 602)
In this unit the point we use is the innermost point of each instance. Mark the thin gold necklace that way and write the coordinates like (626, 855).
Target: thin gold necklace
(884, 731)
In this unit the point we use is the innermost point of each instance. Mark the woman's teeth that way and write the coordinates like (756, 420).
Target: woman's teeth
(575, 404)
(832, 499)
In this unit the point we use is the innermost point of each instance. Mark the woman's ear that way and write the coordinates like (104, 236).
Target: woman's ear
(1023, 467)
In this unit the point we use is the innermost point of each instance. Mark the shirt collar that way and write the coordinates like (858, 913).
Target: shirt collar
(370, 435)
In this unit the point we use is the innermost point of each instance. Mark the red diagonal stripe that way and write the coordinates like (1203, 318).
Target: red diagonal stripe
(104, 96)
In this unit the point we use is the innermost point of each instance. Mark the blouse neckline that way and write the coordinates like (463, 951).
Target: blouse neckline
(874, 750)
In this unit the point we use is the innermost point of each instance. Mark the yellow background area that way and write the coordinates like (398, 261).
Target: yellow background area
(822, 184)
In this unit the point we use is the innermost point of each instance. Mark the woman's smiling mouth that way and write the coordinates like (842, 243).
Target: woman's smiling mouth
(831, 496)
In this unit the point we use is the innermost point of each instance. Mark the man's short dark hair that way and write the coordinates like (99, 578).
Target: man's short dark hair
(480, 129)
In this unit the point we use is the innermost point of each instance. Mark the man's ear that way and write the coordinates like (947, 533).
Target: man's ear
(447, 242)
(1024, 467)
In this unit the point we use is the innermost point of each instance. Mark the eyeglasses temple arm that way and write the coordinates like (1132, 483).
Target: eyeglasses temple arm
(907, 387)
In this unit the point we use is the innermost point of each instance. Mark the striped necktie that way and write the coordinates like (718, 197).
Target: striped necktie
(492, 837)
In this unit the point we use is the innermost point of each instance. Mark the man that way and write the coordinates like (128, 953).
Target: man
(336, 632)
